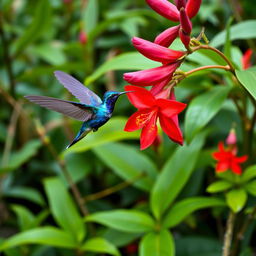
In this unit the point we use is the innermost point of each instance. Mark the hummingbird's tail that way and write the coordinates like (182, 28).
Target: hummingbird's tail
(81, 134)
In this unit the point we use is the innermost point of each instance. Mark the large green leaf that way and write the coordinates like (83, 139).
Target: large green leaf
(157, 244)
(251, 187)
(182, 209)
(242, 30)
(47, 235)
(174, 175)
(38, 26)
(22, 156)
(113, 130)
(63, 208)
(128, 163)
(236, 199)
(202, 109)
(100, 245)
(248, 79)
(125, 61)
(124, 220)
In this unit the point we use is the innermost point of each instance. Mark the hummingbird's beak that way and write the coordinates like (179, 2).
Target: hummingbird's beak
(125, 92)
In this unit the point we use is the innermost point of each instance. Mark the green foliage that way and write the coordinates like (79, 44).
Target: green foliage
(157, 244)
(236, 199)
(247, 79)
(63, 209)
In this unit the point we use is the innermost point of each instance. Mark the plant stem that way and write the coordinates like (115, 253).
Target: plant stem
(7, 57)
(228, 234)
(111, 190)
(78, 197)
(240, 235)
(227, 68)
(208, 47)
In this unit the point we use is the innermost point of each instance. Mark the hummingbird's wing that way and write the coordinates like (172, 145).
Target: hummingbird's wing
(72, 109)
(81, 92)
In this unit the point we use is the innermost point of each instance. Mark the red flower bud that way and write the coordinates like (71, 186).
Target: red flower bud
(164, 8)
(82, 37)
(185, 22)
(156, 52)
(180, 4)
(246, 59)
(184, 38)
(193, 7)
(168, 36)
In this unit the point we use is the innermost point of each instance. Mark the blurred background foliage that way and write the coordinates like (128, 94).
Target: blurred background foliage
(91, 40)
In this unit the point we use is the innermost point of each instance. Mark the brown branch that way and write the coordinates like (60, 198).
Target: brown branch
(229, 234)
(46, 141)
(114, 189)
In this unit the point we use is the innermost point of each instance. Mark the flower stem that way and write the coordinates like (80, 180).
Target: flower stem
(227, 68)
(208, 47)
(228, 234)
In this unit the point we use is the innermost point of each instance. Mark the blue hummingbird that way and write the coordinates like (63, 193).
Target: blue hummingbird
(93, 111)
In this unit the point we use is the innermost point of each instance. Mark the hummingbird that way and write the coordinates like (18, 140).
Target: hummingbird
(93, 111)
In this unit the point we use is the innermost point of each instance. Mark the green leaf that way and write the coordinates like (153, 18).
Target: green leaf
(175, 175)
(251, 187)
(236, 199)
(113, 130)
(202, 109)
(249, 173)
(219, 186)
(128, 163)
(100, 245)
(248, 79)
(51, 53)
(24, 216)
(227, 45)
(63, 208)
(90, 16)
(47, 235)
(125, 61)
(242, 30)
(182, 209)
(157, 244)
(132, 221)
(37, 28)
(25, 193)
(22, 156)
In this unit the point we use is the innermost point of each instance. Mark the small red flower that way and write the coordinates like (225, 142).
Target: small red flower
(82, 37)
(227, 159)
(246, 59)
(150, 109)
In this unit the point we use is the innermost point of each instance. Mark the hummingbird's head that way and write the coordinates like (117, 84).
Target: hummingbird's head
(110, 97)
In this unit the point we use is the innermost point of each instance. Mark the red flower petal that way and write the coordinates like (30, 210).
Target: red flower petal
(164, 8)
(151, 76)
(156, 52)
(149, 132)
(185, 39)
(140, 97)
(138, 120)
(193, 7)
(171, 129)
(241, 159)
(157, 88)
(180, 4)
(169, 108)
(222, 166)
(236, 168)
(167, 36)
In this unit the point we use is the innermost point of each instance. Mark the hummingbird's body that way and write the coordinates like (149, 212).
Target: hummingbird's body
(92, 110)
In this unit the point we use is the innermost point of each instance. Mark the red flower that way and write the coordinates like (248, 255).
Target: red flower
(246, 59)
(157, 52)
(82, 37)
(227, 160)
(150, 109)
